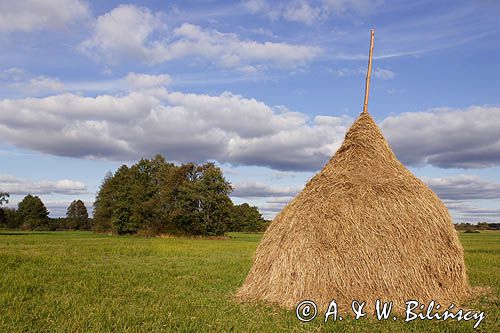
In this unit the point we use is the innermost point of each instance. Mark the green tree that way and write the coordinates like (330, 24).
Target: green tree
(154, 196)
(204, 201)
(3, 199)
(10, 218)
(103, 205)
(247, 218)
(77, 216)
(122, 202)
(33, 213)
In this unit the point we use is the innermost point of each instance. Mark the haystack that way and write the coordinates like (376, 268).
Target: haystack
(364, 228)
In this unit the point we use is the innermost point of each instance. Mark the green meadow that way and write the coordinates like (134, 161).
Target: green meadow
(81, 281)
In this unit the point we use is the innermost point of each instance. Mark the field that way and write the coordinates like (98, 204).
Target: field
(80, 281)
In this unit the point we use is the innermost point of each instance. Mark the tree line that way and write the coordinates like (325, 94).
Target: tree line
(31, 214)
(151, 197)
(477, 226)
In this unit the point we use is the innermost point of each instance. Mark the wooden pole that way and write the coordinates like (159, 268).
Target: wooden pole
(368, 73)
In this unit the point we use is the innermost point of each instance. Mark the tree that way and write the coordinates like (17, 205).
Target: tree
(121, 199)
(154, 196)
(4, 198)
(247, 218)
(10, 218)
(103, 206)
(204, 201)
(33, 213)
(77, 216)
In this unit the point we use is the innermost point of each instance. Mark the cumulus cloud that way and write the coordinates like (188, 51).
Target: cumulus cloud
(125, 32)
(133, 33)
(446, 138)
(13, 185)
(185, 127)
(31, 15)
(464, 187)
(232, 129)
(258, 189)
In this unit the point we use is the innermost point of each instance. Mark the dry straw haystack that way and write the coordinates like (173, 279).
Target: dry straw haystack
(363, 228)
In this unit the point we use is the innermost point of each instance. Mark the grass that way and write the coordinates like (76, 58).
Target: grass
(80, 281)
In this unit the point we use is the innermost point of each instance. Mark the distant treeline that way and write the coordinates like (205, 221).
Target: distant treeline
(477, 226)
(151, 197)
(31, 214)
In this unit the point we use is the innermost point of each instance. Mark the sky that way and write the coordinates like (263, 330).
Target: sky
(265, 89)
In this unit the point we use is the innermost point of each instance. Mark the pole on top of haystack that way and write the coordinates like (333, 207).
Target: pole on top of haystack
(368, 73)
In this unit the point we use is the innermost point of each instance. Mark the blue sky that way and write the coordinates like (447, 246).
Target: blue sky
(266, 89)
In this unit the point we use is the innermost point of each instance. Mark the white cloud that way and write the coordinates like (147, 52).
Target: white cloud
(21, 81)
(132, 33)
(302, 11)
(13, 73)
(258, 189)
(384, 74)
(140, 81)
(464, 187)
(125, 32)
(256, 6)
(274, 205)
(31, 15)
(465, 211)
(446, 138)
(45, 84)
(13, 185)
(232, 129)
(363, 7)
(184, 127)
(264, 32)
(309, 12)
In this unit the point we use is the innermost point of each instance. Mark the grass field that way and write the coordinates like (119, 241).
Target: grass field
(80, 281)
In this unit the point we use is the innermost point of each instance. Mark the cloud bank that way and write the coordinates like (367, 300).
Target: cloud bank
(446, 138)
(148, 119)
(464, 187)
(259, 190)
(184, 127)
(13, 185)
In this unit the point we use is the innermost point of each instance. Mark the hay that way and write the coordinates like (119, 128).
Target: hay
(363, 228)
